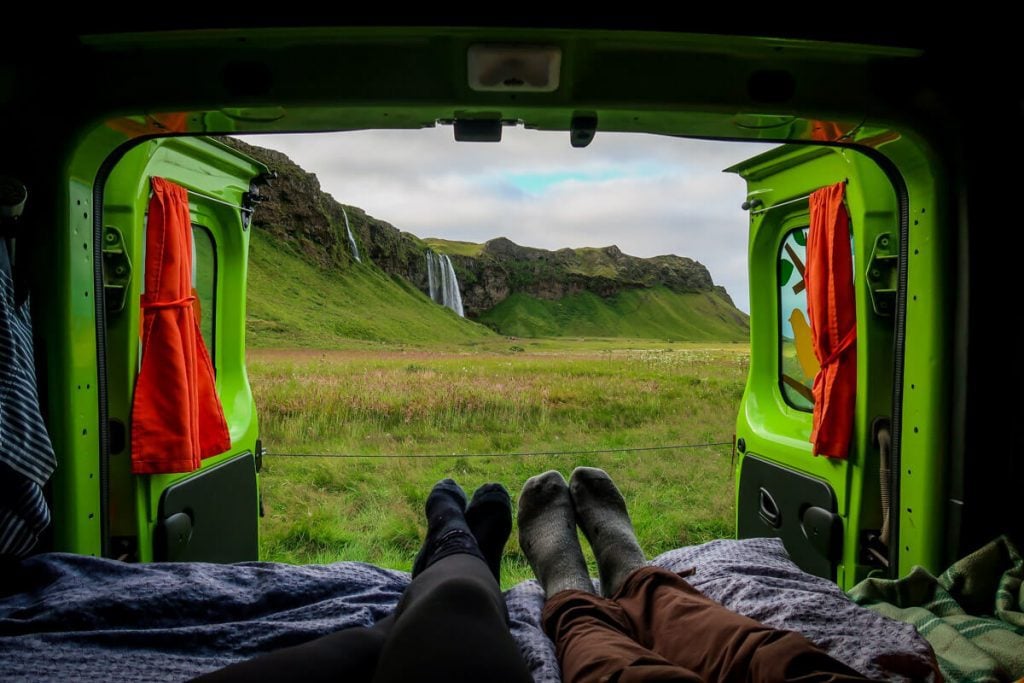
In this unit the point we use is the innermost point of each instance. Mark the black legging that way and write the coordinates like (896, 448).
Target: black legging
(450, 625)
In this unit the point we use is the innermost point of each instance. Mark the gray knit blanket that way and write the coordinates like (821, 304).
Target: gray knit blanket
(73, 617)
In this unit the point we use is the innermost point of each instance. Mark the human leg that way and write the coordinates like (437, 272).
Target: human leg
(594, 641)
(668, 616)
(352, 653)
(451, 623)
(591, 634)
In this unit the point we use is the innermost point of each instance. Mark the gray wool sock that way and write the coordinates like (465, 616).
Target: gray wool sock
(601, 513)
(547, 535)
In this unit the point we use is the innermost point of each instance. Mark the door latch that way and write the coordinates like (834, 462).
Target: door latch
(117, 269)
(882, 276)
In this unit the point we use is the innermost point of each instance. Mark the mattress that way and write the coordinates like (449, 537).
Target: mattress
(69, 616)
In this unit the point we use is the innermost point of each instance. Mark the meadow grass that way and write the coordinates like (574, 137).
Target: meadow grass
(505, 396)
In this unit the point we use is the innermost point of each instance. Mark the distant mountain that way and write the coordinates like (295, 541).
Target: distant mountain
(512, 289)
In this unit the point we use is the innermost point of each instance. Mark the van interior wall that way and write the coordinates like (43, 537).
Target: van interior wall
(992, 400)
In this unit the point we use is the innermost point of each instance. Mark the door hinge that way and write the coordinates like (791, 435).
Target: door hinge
(117, 269)
(882, 274)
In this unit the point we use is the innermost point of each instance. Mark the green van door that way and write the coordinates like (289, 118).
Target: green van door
(211, 514)
(828, 512)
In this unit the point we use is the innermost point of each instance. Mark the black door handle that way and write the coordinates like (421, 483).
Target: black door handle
(768, 509)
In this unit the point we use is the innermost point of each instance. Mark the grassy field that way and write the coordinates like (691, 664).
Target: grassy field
(496, 395)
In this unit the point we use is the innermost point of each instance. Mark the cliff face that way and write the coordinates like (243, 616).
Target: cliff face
(297, 211)
(504, 267)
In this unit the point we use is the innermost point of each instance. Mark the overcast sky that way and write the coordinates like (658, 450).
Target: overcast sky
(649, 195)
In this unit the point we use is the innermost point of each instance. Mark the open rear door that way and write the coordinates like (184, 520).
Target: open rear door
(828, 511)
(212, 512)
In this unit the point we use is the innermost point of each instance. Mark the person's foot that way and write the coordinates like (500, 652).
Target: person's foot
(601, 514)
(547, 535)
(489, 517)
(447, 531)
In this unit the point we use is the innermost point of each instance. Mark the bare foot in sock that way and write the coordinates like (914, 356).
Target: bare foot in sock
(489, 517)
(601, 514)
(447, 531)
(547, 535)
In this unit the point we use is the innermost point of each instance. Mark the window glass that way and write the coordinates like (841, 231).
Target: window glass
(798, 364)
(204, 282)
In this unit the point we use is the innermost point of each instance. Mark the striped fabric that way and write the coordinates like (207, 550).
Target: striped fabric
(26, 455)
(973, 615)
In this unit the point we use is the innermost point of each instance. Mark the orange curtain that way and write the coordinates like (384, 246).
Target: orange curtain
(833, 319)
(177, 418)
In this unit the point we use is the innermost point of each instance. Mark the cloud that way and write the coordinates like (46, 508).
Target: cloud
(647, 194)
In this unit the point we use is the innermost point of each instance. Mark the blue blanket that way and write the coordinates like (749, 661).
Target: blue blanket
(68, 616)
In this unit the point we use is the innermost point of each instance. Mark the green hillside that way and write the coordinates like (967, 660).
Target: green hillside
(654, 313)
(292, 303)
(454, 247)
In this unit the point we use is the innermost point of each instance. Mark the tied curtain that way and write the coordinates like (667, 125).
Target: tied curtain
(833, 320)
(177, 418)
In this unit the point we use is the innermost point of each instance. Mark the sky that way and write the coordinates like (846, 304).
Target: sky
(649, 195)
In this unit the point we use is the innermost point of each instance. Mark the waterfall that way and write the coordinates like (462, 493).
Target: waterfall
(442, 283)
(351, 239)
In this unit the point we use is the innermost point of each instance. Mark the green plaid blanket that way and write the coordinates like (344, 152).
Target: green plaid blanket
(973, 615)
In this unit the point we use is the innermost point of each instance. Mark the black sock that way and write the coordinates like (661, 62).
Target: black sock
(447, 531)
(489, 517)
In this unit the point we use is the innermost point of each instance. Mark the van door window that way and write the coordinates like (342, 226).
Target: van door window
(797, 363)
(204, 284)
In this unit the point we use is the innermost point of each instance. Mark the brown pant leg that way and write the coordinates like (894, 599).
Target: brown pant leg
(667, 615)
(594, 643)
